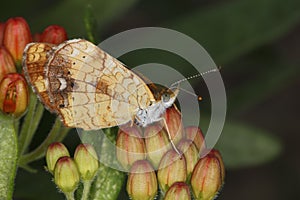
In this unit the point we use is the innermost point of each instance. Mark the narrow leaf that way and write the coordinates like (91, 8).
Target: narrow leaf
(229, 30)
(243, 145)
(266, 81)
(63, 13)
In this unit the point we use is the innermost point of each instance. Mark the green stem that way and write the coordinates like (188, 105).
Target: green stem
(40, 151)
(8, 156)
(86, 189)
(38, 114)
(16, 125)
(26, 126)
(90, 23)
(69, 195)
(62, 134)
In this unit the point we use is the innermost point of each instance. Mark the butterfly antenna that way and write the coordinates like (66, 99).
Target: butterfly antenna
(186, 91)
(176, 84)
(194, 76)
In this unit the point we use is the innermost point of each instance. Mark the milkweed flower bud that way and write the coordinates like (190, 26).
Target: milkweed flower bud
(54, 34)
(7, 64)
(66, 175)
(13, 94)
(142, 182)
(195, 134)
(157, 143)
(55, 151)
(220, 159)
(2, 27)
(208, 178)
(190, 151)
(16, 36)
(87, 161)
(130, 146)
(171, 169)
(178, 191)
(173, 120)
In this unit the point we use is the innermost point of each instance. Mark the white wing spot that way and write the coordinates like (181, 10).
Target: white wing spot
(63, 84)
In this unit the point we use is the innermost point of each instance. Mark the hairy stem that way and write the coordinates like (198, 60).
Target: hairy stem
(86, 189)
(40, 151)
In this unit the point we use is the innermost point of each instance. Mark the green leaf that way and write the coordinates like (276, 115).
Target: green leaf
(62, 13)
(109, 181)
(234, 28)
(272, 77)
(108, 184)
(8, 156)
(243, 145)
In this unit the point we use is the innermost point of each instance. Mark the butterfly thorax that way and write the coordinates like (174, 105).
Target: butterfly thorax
(164, 98)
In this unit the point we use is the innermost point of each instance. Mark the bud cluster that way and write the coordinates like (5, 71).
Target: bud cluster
(68, 171)
(14, 36)
(153, 162)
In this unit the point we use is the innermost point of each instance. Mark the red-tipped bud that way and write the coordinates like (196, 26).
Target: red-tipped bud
(13, 94)
(130, 146)
(178, 191)
(174, 124)
(208, 176)
(157, 143)
(220, 159)
(195, 134)
(66, 175)
(16, 36)
(87, 161)
(54, 34)
(142, 182)
(190, 151)
(172, 168)
(2, 27)
(7, 64)
(55, 151)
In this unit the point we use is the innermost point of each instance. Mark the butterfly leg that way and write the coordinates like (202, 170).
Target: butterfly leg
(132, 120)
(169, 135)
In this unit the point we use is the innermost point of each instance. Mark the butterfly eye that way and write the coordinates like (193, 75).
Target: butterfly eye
(165, 97)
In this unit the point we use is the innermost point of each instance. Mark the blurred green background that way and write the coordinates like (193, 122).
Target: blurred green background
(257, 44)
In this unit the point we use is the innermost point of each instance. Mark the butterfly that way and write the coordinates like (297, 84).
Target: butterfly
(89, 89)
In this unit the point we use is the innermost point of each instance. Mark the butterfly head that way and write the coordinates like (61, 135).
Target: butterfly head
(168, 97)
(164, 96)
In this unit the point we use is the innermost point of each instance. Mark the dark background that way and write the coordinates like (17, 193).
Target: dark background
(256, 43)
